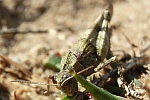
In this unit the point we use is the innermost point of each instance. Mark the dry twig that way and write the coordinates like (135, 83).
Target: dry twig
(137, 61)
(15, 31)
(25, 73)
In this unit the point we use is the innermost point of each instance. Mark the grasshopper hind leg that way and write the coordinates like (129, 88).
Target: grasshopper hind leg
(102, 45)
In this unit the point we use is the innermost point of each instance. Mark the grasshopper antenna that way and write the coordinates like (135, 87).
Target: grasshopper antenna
(38, 83)
(30, 82)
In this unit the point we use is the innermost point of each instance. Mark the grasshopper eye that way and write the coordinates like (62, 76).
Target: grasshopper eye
(65, 76)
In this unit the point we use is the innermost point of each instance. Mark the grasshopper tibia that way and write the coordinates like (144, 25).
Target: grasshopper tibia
(107, 62)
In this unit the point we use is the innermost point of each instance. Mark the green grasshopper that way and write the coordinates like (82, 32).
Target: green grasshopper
(90, 50)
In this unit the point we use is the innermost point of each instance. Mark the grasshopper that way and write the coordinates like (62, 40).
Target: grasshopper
(92, 48)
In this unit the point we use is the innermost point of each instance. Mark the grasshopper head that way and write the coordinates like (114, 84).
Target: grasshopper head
(66, 83)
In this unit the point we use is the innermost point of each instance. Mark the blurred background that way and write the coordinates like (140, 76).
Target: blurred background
(33, 30)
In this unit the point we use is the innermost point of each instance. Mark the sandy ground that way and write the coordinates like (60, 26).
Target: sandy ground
(66, 21)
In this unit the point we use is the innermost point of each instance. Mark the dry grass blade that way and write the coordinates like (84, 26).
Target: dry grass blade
(19, 67)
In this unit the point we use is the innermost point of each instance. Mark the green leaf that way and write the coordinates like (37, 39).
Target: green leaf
(67, 98)
(54, 63)
(96, 92)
